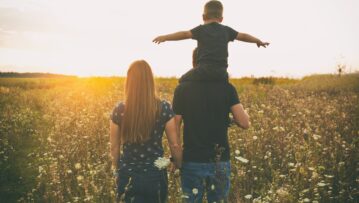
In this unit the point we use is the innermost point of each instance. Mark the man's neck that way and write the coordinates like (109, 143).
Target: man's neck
(212, 21)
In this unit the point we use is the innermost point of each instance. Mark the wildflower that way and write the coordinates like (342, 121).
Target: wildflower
(69, 171)
(79, 178)
(77, 165)
(237, 152)
(162, 163)
(185, 196)
(282, 192)
(255, 137)
(41, 169)
(306, 200)
(241, 159)
(291, 164)
(212, 187)
(195, 191)
(314, 175)
(316, 137)
(248, 196)
(321, 184)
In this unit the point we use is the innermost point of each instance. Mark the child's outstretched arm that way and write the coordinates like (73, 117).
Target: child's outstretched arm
(173, 37)
(249, 38)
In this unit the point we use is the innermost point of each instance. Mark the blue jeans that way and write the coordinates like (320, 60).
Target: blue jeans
(145, 187)
(212, 178)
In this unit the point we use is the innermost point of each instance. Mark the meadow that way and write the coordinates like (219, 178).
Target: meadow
(302, 145)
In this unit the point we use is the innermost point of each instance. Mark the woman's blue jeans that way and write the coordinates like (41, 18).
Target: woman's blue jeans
(212, 178)
(145, 187)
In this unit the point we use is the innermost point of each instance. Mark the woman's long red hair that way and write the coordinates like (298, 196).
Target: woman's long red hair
(141, 104)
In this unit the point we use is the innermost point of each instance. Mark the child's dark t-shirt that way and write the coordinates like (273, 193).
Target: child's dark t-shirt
(212, 44)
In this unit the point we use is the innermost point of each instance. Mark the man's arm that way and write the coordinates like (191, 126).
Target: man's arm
(244, 37)
(178, 119)
(174, 142)
(240, 116)
(173, 37)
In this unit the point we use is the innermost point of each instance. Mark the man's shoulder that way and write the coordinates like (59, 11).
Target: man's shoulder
(188, 84)
(204, 85)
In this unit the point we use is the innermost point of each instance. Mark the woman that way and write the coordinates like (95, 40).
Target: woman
(137, 127)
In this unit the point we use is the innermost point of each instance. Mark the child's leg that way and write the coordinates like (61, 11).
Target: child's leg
(205, 73)
(215, 74)
(191, 75)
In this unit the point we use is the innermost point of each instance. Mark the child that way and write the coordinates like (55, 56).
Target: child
(212, 43)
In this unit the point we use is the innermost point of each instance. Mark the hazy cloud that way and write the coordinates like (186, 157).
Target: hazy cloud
(14, 19)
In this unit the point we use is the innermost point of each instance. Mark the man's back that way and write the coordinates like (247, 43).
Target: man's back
(205, 108)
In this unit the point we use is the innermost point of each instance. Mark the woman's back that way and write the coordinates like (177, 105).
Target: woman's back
(140, 157)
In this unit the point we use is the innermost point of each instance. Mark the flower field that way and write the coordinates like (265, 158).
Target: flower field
(303, 145)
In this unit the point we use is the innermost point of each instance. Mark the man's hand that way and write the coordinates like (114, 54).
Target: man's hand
(159, 39)
(262, 44)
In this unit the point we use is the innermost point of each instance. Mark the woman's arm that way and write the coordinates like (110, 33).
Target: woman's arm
(240, 116)
(174, 142)
(115, 143)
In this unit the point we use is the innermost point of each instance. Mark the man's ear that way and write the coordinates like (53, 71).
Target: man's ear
(220, 19)
(204, 17)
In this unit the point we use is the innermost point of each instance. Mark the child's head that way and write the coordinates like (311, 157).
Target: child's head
(213, 10)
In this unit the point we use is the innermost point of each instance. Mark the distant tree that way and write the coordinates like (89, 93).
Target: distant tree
(264, 81)
(31, 75)
(340, 69)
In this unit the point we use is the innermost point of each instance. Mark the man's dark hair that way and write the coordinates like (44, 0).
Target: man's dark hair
(213, 9)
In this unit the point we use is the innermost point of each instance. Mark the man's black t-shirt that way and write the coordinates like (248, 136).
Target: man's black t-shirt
(205, 111)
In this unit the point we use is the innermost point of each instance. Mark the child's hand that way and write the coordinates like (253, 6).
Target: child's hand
(159, 39)
(262, 44)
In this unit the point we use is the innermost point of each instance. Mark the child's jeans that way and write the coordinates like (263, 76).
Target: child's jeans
(205, 73)
(147, 187)
(214, 178)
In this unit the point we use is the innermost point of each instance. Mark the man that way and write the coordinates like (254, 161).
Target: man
(204, 108)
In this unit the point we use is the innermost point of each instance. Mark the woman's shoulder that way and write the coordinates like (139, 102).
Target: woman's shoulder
(120, 106)
(165, 104)
(166, 110)
(117, 112)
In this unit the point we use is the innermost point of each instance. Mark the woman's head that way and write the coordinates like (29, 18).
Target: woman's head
(141, 104)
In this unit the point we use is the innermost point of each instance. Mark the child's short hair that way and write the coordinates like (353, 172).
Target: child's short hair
(213, 9)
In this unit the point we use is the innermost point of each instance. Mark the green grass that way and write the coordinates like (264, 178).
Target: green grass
(303, 142)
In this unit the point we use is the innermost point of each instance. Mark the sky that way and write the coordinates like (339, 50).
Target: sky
(102, 37)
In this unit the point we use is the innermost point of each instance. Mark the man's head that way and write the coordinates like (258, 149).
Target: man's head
(213, 10)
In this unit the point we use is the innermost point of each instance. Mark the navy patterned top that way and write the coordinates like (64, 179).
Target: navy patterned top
(140, 157)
